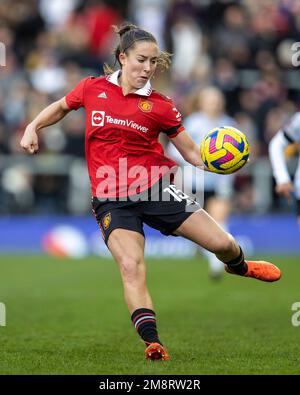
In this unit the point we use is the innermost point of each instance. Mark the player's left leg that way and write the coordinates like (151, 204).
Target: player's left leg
(201, 228)
(127, 248)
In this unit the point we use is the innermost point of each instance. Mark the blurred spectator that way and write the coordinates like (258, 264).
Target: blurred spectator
(246, 124)
(56, 12)
(74, 134)
(230, 38)
(150, 15)
(17, 187)
(225, 77)
(186, 38)
(48, 77)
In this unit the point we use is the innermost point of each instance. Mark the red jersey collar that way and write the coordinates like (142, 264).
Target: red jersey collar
(145, 91)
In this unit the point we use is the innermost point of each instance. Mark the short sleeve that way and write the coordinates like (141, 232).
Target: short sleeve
(292, 129)
(75, 98)
(171, 120)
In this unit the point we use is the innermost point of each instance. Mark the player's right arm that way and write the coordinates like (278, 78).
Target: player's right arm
(284, 186)
(49, 116)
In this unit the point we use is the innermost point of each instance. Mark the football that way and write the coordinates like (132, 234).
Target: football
(224, 150)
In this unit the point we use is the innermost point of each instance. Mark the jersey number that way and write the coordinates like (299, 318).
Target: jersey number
(176, 193)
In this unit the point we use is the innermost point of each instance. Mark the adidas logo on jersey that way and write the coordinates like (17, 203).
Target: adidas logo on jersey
(102, 95)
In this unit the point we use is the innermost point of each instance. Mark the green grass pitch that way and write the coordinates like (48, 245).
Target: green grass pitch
(69, 317)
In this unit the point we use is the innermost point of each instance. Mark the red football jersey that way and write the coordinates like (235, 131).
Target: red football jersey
(123, 154)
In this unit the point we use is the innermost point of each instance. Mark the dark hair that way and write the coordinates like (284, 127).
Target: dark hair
(129, 34)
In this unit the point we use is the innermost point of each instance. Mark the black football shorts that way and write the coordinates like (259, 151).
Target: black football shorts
(165, 211)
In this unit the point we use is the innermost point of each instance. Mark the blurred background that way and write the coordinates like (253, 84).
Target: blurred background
(241, 48)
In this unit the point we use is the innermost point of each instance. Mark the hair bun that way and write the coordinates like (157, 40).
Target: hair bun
(124, 28)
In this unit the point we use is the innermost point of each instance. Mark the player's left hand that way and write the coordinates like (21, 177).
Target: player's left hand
(286, 190)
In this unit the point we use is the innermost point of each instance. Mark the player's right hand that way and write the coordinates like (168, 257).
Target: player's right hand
(29, 140)
(286, 190)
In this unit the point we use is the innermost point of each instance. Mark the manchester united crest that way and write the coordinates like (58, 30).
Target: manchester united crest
(145, 105)
(106, 221)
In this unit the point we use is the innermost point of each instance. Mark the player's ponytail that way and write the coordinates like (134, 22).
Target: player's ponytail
(129, 34)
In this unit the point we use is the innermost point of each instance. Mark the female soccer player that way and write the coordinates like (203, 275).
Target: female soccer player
(129, 173)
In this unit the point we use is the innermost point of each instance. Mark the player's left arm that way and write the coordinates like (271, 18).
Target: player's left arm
(188, 149)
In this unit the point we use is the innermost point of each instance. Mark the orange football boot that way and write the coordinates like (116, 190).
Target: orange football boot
(260, 270)
(156, 351)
